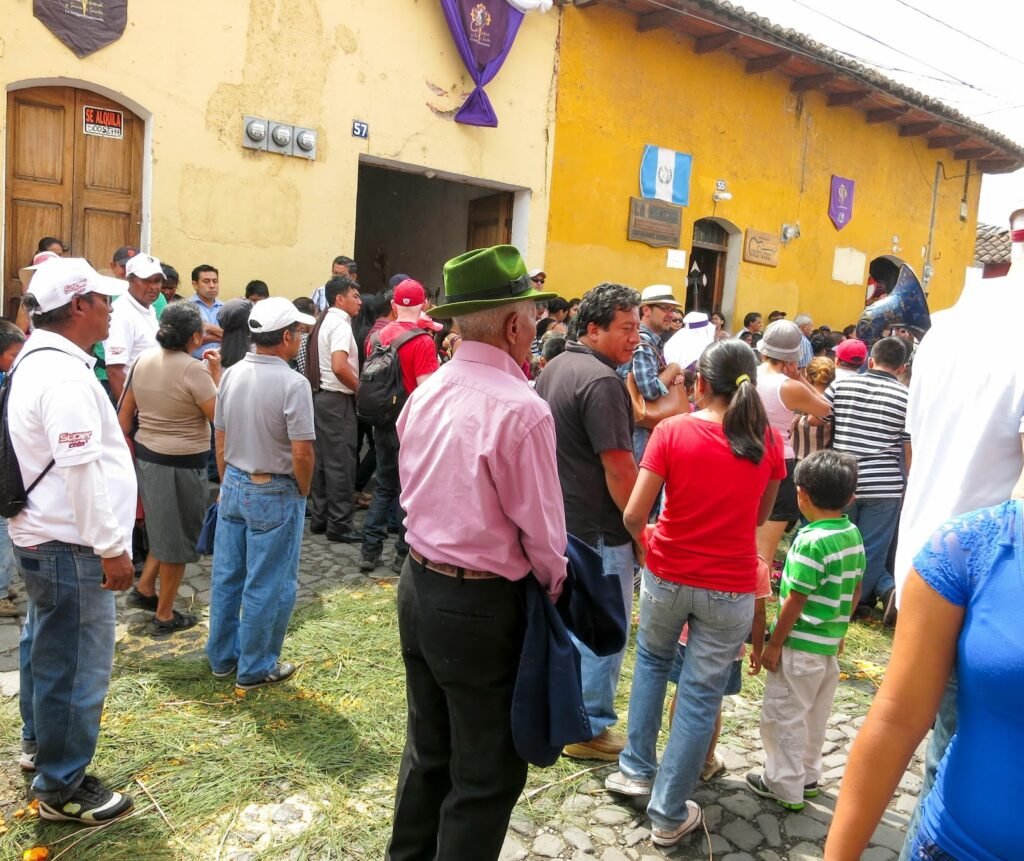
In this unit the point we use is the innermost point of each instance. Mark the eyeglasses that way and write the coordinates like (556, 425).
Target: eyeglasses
(538, 280)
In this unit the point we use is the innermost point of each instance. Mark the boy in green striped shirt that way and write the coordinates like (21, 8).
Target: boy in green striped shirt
(820, 588)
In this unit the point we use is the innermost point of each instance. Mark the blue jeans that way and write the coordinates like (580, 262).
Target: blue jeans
(942, 733)
(67, 653)
(384, 508)
(925, 849)
(876, 519)
(6, 559)
(255, 568)
(719, 622)
(600, 676)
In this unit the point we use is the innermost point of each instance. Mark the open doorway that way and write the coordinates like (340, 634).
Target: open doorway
(413, 222)
(714, 266)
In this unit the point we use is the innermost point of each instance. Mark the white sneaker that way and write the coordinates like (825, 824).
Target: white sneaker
(27, 760)
(618, 782)
(694, 817)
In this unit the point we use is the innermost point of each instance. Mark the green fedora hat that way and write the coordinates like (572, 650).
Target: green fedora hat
(485, 278)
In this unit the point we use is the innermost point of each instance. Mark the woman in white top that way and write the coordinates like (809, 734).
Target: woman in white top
(784, 393)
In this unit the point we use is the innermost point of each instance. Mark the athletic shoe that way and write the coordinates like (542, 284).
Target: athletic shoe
(605, 747)
(890, 613)
(283, 670)
(143, 602)
(755, 781)
(712, 769)
(694, 817)
(27, 760)
(368, 563)
(398, 562)
(618, 783)
(223, 674)
(178, 622)
(811, 790)
(92, 804)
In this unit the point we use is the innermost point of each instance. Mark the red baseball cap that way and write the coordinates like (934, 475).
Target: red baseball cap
(851, 351)
(410, 293)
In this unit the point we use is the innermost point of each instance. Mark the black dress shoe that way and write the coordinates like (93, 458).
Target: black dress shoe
(351, 537)
(317, 528)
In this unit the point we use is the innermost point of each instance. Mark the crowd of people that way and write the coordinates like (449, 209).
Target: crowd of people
(680, 453)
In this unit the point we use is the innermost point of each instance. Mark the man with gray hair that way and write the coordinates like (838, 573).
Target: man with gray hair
(806, 325)
(474, 535)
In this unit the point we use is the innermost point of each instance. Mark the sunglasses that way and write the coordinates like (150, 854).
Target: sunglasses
(538, 280)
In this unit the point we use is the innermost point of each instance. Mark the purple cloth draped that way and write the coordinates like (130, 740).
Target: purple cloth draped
(484, 31)
(840, 201)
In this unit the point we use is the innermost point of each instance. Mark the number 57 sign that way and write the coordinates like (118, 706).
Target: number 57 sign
(360, 129)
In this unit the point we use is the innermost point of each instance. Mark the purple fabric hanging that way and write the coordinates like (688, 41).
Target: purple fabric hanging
(484, 31)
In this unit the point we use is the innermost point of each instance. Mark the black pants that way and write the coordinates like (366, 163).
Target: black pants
(368, 461)
(385, 496)
(334, 477)
(460, 774)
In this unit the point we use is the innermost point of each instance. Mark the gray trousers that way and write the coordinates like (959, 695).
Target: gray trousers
(334, 477)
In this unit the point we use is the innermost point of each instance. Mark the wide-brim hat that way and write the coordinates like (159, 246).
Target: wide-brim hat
(486, 278)
(685, 346)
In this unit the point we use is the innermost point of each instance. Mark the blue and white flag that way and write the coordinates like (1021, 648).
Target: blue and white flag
(665, 175)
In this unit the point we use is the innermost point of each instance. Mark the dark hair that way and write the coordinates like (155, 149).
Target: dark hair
(574, 303)
(234, 320)
(305, 305)
(47, 241)
(50, 319)
(749, 318)
(890, 353)
(717, 313)
(10, 335)
(557, 304)
(747, 337)
(170, 273)
(375, 306)
(552, 347)
(829, 477)
(339, 285)
(600, 304)
(544, 325)
(347, 262)
(397, 279)
(819, 344)
(834, 340)
(850, 331)
(257, 288)
(730, 370)
(201, 268)
(270, 339)
(178, 323)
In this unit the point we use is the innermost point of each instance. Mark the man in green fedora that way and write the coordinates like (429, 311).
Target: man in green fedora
(475, 527)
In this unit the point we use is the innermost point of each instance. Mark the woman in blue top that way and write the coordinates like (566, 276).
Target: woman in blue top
(962, 606)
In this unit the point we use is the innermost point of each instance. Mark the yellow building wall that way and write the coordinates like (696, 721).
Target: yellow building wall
(198, 67)
(620, 89)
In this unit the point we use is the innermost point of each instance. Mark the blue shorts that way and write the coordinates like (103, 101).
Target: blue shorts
(733, 686)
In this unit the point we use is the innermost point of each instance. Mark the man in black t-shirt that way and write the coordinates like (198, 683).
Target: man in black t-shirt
(596, 468)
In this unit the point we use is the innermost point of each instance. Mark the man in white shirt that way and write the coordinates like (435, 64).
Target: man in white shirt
(333, 371)
(72, 540)
(342, 266)
(133, 322)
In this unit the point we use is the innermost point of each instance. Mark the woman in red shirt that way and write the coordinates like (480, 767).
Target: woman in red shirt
(720, 468)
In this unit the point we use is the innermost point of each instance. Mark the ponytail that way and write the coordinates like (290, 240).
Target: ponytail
(730, 370)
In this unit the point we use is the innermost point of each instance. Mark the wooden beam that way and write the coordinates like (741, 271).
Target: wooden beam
(707, 44)
(810, 82)
(913, 129)
(997, 165)
(969, 153)
(884, 115)
(851, 97)
(946, 141)
(655, 20)
(764, 64)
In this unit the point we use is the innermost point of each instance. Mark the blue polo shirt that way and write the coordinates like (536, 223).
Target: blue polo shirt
(209, 315)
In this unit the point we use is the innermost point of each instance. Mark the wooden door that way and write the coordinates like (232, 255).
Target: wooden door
(82, 188)
(490, 221)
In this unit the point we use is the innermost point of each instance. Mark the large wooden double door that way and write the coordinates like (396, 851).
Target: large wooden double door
(83, 188)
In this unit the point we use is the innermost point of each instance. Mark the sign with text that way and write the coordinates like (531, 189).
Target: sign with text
(360, 129)
(102, 122)
(761, 248)
(655, 223)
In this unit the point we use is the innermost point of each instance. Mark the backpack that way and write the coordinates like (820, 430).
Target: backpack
(13, 494)
(381, 393)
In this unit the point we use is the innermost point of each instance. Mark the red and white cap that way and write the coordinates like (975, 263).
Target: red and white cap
(55, 282)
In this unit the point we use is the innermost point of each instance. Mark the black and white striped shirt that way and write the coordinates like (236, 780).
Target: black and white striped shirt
(869, 416)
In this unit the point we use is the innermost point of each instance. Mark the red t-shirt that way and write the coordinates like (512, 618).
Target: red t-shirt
(416, 357)
(705, 535)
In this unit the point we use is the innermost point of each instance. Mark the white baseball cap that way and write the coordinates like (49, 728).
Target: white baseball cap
(143, 266)
(55, 282)
(276, 313)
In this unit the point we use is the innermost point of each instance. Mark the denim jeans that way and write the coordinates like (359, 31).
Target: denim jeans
(876, 519)
(385, 497)
(942, 733)
(67, 653)
(6, 559)
(719, 622)
(600, 676)
(255, 568)
(925, 849)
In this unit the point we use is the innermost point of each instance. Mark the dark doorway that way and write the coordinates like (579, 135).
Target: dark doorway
(706, 277)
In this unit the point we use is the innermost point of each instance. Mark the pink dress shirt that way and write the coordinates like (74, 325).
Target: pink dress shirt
(477, 464)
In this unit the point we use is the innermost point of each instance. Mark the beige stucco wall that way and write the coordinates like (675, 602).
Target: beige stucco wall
(194, 69)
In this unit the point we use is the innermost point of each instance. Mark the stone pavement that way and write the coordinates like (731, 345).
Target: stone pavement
(591, 823)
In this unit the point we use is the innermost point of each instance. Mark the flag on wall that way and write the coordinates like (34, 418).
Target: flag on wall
(840, 201)
(665, 175)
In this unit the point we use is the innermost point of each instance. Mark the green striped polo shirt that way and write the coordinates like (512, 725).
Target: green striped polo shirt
(825, 562)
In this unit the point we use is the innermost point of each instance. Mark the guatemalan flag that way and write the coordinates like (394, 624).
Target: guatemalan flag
(665, 175)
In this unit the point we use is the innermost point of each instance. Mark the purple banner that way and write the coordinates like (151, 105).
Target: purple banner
(840, 201)
(84, 27)
(484, 31)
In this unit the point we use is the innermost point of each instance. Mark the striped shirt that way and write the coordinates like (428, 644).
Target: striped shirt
(825, 563)
(869, 417)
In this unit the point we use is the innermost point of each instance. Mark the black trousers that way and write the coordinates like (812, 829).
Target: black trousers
(385, 496)
(334, 476)
(460, 775)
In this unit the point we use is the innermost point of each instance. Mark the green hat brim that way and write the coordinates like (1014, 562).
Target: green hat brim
(462, 309)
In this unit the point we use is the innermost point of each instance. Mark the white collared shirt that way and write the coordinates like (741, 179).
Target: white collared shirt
(336, 335)
(133, 329)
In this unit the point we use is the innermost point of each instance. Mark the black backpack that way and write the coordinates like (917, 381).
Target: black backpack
(381, 393)
(13, 494)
